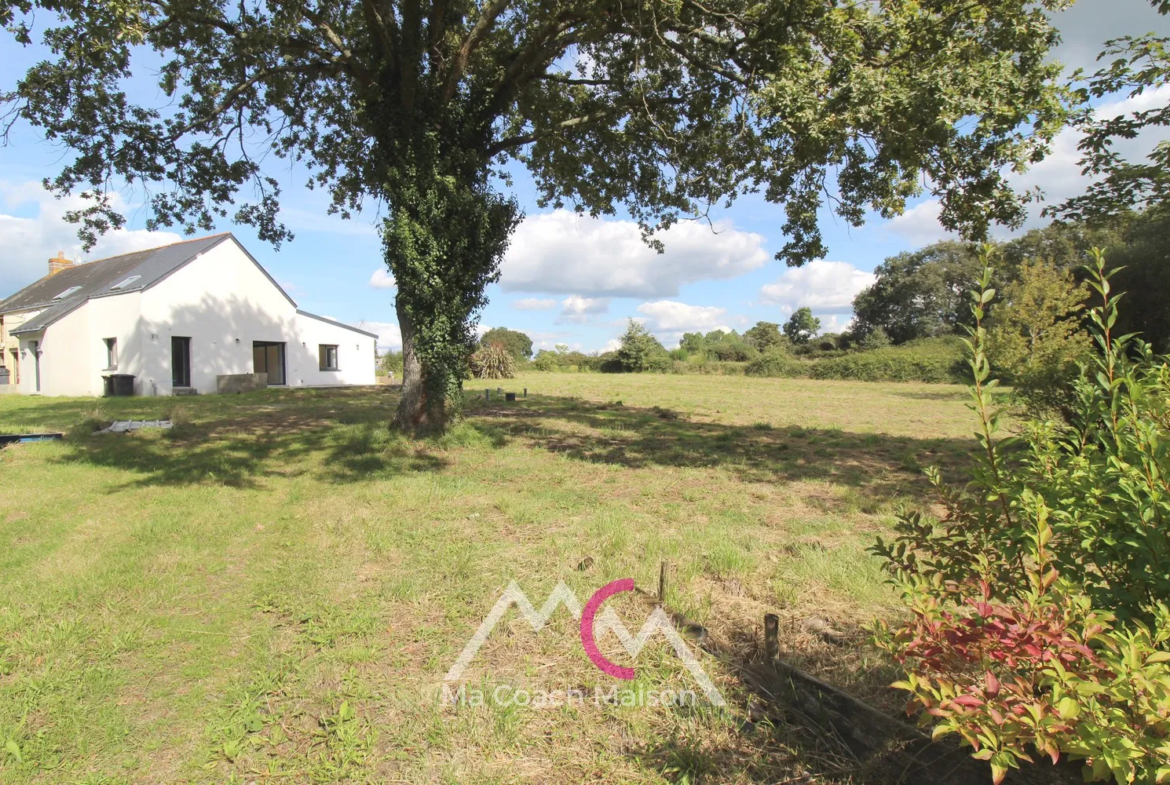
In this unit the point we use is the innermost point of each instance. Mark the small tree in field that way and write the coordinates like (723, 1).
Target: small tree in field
(517, 343)
(640, 351)
(1036, 336)
(417, 106)
(801, 326)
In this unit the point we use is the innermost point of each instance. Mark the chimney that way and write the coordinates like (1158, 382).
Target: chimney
(59, 263)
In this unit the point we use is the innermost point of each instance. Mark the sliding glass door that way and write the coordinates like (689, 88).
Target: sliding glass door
(268, 358)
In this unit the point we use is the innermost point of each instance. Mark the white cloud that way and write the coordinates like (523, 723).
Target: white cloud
(835, 323)
(481, 330)
(671, 316)
(1084, 27)
(612, 345)
(564, 253)
(825, 287)
(919, 225)
(534, 304)
(382, 279)
(28, 242)
(578, 310)
(389, 336)
(668, 319)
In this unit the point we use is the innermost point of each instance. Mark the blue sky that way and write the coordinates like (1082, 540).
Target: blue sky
(567, 279)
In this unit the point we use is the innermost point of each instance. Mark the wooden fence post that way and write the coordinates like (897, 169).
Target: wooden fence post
(771, 637)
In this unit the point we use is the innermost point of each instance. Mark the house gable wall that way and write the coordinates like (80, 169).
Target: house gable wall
(223, 302)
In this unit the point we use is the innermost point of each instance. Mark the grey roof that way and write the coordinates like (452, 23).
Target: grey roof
(96, 278)
(336, 323)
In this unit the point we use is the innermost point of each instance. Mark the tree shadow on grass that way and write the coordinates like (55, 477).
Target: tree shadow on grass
(879, 466)
(343, 436)
(338, 435)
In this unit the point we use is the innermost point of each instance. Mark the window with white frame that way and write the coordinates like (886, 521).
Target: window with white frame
(111, 353)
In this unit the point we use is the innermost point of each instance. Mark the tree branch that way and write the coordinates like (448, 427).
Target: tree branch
(575, 122)
(482, 27)
(382, 27)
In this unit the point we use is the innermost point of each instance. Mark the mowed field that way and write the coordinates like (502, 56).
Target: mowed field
(274, 590)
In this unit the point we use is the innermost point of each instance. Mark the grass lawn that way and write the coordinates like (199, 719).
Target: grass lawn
(274, 590)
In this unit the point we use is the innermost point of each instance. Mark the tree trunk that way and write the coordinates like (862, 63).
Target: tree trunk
(420, 410)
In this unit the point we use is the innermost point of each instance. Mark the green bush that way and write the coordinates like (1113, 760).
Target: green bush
(1039, 603)
(935, 360)
(732, 349)
(390, 364)
(777, 362)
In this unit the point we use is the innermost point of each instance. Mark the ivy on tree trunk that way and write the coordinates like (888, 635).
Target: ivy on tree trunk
(444, 246)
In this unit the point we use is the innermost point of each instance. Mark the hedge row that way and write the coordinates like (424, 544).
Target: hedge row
(933, 360)
(938, 361)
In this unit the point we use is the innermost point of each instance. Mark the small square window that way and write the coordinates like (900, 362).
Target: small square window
(111, 353)
(327, 353)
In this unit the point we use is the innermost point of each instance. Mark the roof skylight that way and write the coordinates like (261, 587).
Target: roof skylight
(125, 283)
(67, 292)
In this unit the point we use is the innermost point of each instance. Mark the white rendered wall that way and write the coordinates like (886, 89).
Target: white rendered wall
(355, 355)
(224, 302)
(64, 364)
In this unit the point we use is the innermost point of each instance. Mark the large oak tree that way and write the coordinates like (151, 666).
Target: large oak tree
(663, 108)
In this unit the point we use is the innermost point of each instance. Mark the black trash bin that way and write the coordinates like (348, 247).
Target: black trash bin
(119, 385)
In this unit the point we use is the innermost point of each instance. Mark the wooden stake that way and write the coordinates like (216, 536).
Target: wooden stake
(771, 637)
(662, 584)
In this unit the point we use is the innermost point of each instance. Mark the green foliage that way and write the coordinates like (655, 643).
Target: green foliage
(919, 294)
(764, 335)
(692, 343)
(493, 361)
(390, 364)
(1141, 256)
(640, 351)
(776, 362)
(876, 338)
(728, 347)
(1035, 336)
(517, 343)
(934, 360)
(1039, 602)
(572, 361)
(801, 326)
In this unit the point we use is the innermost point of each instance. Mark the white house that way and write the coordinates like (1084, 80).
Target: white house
(194, 317)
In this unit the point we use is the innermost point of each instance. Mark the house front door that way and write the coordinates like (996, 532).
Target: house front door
(180, 362)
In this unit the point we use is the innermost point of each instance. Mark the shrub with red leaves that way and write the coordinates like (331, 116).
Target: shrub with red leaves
(1039, 619)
